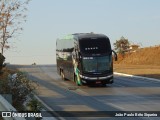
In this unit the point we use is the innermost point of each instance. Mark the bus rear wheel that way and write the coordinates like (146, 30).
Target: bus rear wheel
(62, 75)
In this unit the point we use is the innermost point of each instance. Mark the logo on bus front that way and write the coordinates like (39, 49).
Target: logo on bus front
(91, 48)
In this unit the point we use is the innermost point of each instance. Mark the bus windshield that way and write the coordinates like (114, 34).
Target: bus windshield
(96, 64)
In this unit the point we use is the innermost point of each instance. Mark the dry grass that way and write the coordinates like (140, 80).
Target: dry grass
(143, 56)
(140, 70)
(143, 62)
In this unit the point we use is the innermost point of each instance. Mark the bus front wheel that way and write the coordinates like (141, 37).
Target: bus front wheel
(78, 83)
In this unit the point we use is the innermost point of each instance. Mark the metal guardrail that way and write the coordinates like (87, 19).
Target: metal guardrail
(7, 107)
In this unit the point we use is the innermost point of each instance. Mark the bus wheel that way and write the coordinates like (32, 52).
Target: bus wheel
(78, 83)
(62, 75)
(104, 85)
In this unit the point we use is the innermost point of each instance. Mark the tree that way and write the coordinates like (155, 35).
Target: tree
(122, 45)
(12, 15)
(2, 58)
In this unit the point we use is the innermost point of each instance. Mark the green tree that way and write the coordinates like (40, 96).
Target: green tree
(12, 15)
(121, 46)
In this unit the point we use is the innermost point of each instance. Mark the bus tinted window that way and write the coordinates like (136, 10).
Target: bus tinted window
(95, 46)
(65, 45)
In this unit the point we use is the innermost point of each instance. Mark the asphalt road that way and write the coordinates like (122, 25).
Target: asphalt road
(125, 94)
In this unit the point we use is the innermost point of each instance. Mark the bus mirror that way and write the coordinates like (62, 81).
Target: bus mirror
(115, 55)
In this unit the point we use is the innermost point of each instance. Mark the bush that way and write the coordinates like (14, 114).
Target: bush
(34, 105)
(18, 86)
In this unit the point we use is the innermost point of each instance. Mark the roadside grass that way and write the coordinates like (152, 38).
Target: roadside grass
(143, 56)
(139, 70)
(143, 62)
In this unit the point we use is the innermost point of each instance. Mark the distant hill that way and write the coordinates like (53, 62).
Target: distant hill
(142, 56)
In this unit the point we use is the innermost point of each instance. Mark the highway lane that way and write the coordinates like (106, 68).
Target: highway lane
(126, 94)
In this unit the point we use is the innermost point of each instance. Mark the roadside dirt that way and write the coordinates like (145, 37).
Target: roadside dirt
(139, 70)
(142, 56)
(142, 62)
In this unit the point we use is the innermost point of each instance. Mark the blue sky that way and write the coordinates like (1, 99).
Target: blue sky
(136, 20)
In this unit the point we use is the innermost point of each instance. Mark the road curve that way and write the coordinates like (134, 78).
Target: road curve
(125, 94)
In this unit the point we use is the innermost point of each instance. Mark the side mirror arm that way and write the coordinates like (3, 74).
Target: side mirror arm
(115, 55)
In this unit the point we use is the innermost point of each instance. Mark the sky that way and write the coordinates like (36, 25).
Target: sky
(136, 20)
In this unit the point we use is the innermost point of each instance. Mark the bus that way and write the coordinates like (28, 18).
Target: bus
(85, 58)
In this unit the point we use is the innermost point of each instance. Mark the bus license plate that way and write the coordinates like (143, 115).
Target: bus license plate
(98, 82)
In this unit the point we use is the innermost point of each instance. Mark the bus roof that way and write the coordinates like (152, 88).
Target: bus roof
(83, 35)
(88, 35)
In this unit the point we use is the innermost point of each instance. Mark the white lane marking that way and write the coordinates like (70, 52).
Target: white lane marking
(134, 76)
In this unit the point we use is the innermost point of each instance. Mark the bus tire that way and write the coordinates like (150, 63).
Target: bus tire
(104, 84)
(76, 81)
(62, 75)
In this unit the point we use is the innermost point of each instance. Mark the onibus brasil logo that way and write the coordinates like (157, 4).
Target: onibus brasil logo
(23, 114)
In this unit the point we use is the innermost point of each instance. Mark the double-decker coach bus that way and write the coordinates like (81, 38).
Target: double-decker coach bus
(85, 58)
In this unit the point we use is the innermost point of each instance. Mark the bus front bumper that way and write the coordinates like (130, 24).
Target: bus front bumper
(99, 80)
